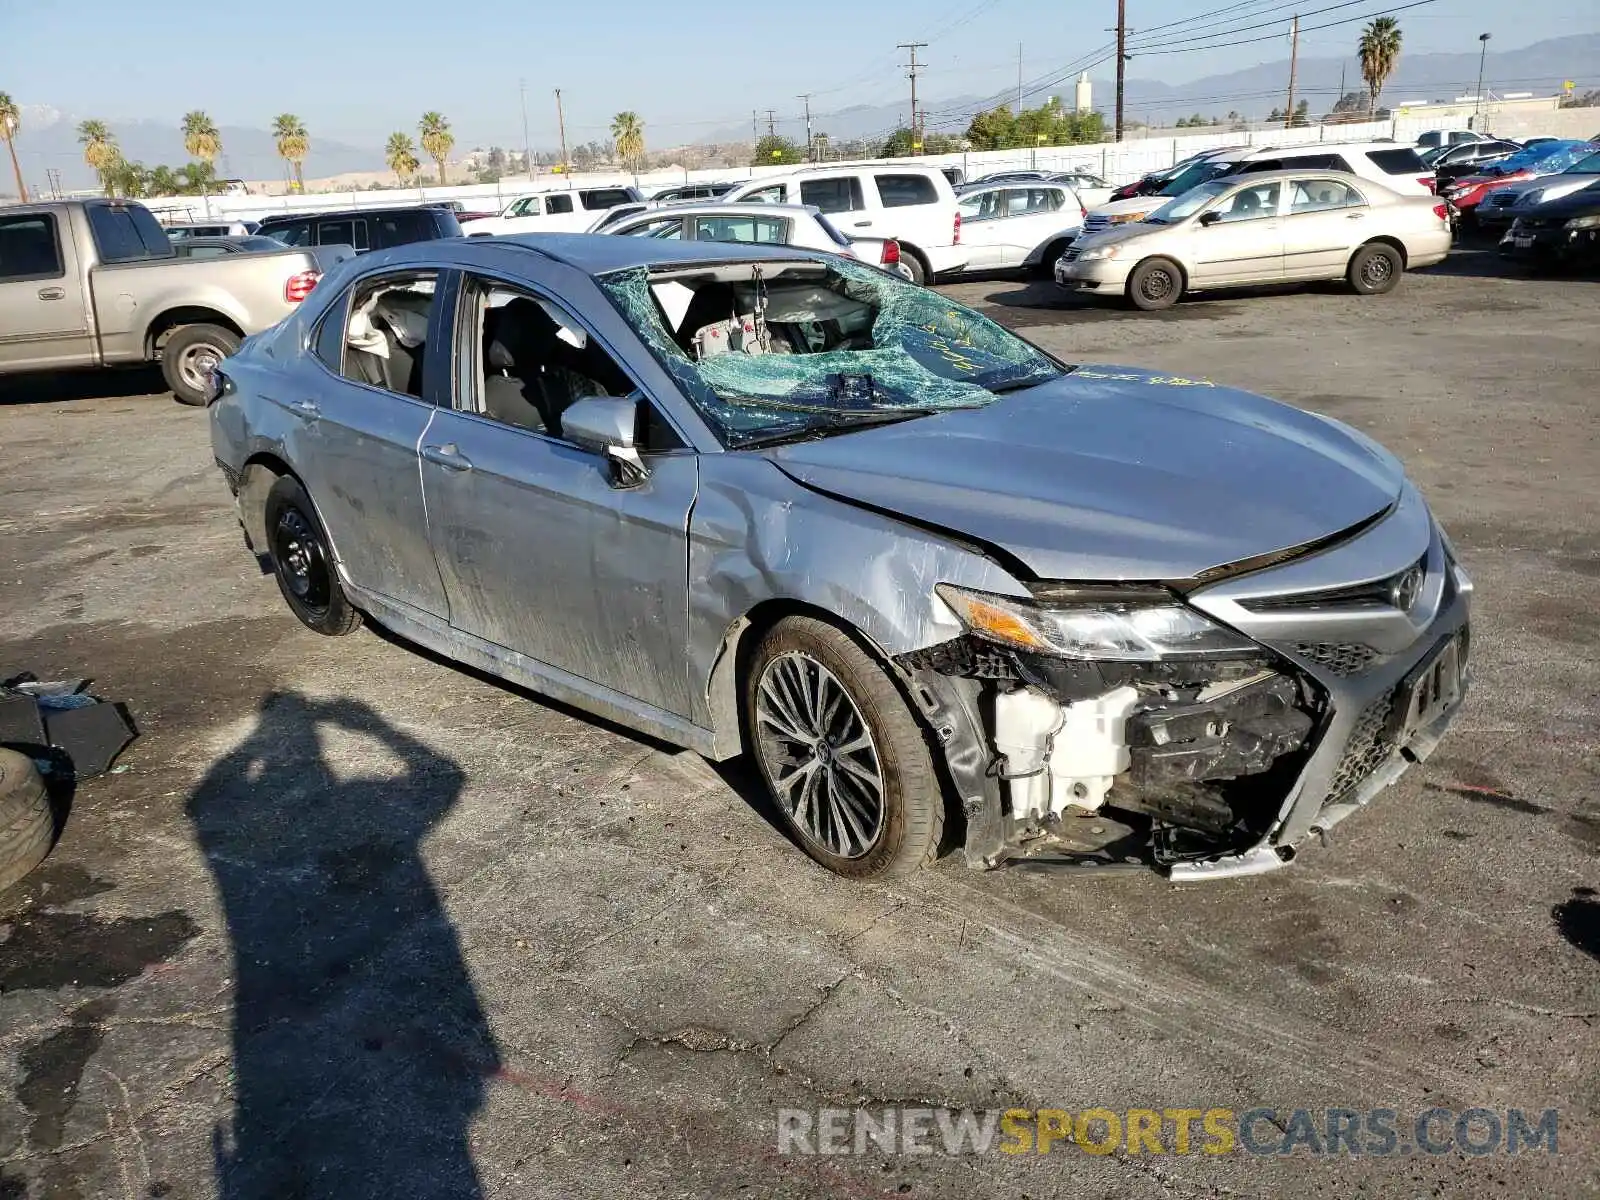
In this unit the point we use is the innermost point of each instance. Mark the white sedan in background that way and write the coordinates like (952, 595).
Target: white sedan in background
(1010, 226)
(758, 224)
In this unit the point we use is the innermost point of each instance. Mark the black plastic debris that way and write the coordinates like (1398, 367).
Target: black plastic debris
(62, 727)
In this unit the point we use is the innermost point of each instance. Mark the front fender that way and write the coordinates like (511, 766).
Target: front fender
(756, 535)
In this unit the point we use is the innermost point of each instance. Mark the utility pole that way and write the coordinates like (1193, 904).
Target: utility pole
(561, 123)
(772, 129)
(1294, 58)
(527, 153)
(1122, 58)
(915, 66)
(1019, 79)
(1477, 104)
(806, 96)
(755, 132)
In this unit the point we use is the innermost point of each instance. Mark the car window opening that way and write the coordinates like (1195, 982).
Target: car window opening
(387, 333)
(771, 349)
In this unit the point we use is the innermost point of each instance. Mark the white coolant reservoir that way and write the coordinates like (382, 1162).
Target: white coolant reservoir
(1060, 755)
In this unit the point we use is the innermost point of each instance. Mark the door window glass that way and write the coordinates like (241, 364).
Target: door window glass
(667, 228)
(840, 194)
(902, 191)
(557, 204)
(598, 198)
(28, 247)
(386, 334)
(1318, 195)
(534, 360)
(759, 230)
(774, 194)
(1251, 204)
(292, 233)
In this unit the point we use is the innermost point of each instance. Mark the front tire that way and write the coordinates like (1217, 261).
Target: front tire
(302, 562)
(1045, 268)
(190, 354)
(1375, 269)
(1155, 284)
(843, 757)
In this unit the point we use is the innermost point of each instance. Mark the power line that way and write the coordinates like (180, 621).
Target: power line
(1281, 7)
(1383, 12)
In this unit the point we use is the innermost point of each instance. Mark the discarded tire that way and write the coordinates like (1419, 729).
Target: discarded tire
(26, 824)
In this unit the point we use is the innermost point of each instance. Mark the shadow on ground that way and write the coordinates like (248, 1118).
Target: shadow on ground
(54, 387)
(360, 1050)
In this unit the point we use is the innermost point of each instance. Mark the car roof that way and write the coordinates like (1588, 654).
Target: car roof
(271, 218)
(751, 208)
(1321, 147)
(599, 253)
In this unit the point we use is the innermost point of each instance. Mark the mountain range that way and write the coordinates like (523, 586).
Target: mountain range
(48, 138)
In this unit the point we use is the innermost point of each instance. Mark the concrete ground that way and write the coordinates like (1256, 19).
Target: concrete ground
(354, 922)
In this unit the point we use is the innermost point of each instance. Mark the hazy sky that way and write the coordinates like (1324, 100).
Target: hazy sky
(354, 72)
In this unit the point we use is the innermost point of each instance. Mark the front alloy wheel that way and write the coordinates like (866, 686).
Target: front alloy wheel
(819, 755)
(846, 762)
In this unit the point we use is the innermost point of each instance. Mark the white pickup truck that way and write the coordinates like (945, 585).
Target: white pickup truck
(95, 283)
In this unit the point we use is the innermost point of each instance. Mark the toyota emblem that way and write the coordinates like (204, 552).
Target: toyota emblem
(1407, 587)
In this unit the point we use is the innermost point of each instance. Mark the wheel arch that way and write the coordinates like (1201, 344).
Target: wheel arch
(1183, 271)
(261, 470)
(161, 328)
(1384, 239)
(920, 255)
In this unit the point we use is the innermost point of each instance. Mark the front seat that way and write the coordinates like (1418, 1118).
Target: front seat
(526, 348)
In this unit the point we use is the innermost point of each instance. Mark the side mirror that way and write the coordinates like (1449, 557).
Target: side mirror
(1210, 218)
(605, 425)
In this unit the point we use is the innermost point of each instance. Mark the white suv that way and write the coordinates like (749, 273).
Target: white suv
(563, 210)
(913, 204)
(1398, 168)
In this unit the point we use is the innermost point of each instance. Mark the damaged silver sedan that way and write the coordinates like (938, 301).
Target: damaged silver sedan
(936, 583)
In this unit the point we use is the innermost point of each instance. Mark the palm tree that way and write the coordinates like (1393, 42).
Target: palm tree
(164, 181)
(628, 131)
(1379, 49)
(200, 137)
(100, 151)
(401, 154)
(437, 139)
(293, 145)
(10, 122)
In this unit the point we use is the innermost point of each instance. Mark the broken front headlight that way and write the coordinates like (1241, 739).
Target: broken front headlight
(1143, 627)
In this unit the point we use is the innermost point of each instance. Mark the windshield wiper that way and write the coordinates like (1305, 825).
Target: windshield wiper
(837, 419)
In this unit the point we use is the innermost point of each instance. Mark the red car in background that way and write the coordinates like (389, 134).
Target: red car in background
(1545, 158)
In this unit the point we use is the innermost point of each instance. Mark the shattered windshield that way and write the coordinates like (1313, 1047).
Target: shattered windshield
(781, 349)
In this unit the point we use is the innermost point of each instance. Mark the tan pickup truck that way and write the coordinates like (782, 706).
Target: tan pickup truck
(95, 283)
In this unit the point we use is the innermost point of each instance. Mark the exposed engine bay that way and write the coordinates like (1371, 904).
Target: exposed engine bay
(1124, 763)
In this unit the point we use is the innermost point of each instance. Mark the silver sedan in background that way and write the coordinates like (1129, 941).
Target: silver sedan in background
(1262, 228)
(755, 499)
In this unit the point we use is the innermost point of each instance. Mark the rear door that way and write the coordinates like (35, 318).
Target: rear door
(540, 554)
(344, 231)
(1245, 242)
(842, 198)
(361, 403)
(44, 313)
(982, 236)
(1325, 220)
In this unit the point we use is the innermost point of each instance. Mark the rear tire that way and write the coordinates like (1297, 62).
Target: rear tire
(188, 356)
(1375, 269)
(1155, 284)
(912, 261)
(843, 758)
(27, 825)
(302, 561)
(1045, 268)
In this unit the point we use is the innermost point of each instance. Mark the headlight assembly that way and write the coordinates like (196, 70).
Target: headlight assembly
(1125, 218)
(1592, 221)
(1146, 629)
(1098, 252)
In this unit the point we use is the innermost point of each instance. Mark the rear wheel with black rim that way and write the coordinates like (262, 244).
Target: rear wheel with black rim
(1375, 269)
(1155, 284)
(303, 563)
(845, 761)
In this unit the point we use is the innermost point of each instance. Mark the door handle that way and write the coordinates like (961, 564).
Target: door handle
(1354, 216)
(862, 224)
(52, 293)
(447, 456)
(305, 408)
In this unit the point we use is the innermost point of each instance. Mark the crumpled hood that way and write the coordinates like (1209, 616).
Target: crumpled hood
(1113, 473)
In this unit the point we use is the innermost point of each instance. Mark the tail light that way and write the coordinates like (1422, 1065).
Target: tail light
(1431, 182)
(955, 238)
(891, 254)
(1442, 211)
(297, 287)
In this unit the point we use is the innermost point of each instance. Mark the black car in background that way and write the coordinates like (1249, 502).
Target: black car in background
(1564, 232)
(364, 228)
(1468, 158)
